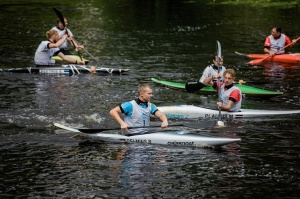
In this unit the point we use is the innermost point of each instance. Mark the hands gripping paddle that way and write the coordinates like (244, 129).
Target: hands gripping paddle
(62, 19)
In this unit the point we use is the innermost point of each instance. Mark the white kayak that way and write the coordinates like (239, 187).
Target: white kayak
(165, 137)
(65, 69)
(190, 111)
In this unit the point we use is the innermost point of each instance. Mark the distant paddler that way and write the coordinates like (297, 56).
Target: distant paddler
(50, 47)
(61, 28)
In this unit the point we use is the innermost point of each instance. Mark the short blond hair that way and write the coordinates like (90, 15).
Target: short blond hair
(50, 33)
(142, 88)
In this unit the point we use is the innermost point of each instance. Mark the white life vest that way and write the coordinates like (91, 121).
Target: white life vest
(140, 116)
(277, 44)
(224, 95)
(65, 44)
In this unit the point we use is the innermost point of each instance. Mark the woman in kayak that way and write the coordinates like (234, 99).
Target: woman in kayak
(137, 112)
(49, 48)
(61, 29)
(231, 96)
(274, 43)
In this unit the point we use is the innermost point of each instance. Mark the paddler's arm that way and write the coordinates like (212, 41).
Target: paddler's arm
(209, 80)
(58, 43)
(115, 114)
(227, 107)
(162, 118)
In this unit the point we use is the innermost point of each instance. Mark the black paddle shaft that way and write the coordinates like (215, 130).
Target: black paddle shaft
(197, 125)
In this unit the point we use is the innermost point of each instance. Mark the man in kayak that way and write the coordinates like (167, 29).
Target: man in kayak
(274, 43)
(231, 96)
(61, 29)
(213, 69)
(49, 48)
(137, 112)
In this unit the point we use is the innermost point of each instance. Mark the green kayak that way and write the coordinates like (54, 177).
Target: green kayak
(247, 90)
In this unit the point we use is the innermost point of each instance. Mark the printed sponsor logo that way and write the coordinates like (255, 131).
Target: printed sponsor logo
(177, 116)
(181, 143)
(223, 116)
(54, 71)
(136, 141)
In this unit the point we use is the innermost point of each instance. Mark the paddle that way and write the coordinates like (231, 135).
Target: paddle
(193, 87)
(61, 18)
(220, 123)
(259, 61)
(199, 125)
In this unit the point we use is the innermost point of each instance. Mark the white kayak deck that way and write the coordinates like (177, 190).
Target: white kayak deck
(191, 111)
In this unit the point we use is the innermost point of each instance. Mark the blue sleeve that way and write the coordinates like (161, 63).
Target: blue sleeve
(127, 108)
(153, 109)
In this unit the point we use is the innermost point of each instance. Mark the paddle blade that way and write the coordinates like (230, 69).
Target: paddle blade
(60, 16)
(193, 87)
(219, 50)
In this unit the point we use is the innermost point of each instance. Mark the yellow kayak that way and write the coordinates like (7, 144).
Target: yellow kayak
(57, 59)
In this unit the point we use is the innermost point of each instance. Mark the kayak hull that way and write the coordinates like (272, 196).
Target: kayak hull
(64, 69)
(246, 90)
(174, 138)
(190, 111)
(293, 58)
(180, 138)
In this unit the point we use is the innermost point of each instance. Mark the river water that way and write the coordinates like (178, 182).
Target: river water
(172, 40)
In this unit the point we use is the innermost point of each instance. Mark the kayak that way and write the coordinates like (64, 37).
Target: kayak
(64, 69)
(292, 58)
(57, 59)
(246, 90)
(190, 111)
(166, 137)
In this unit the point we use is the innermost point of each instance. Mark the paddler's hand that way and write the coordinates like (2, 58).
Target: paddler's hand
(272, 53)
(164, 124)
(81, 62)
(242, 81)
(80, 47)
(124, 127)
(218, 75)
(220, 105)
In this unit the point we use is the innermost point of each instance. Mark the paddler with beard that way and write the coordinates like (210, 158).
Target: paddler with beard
(274, 43)
(50, 47)
(137, 112)
(230, 95)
